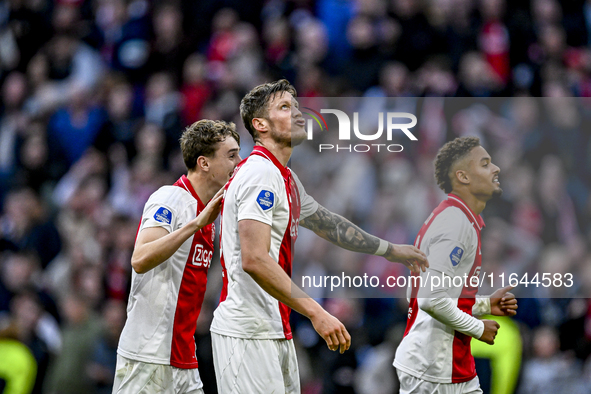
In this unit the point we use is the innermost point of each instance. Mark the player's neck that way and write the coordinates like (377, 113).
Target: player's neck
(475, 204)
(205, 190)
(280, 151)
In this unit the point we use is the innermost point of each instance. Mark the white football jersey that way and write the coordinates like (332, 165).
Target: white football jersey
(261, 189)
(164, 303)
(430, 349)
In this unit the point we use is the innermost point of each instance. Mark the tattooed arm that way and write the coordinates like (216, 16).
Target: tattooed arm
(343, 233)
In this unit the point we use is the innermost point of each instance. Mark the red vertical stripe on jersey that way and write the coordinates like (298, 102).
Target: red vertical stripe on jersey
(191, 291)
(290, 236)
(286, 249)
(413, 309)
(463, 368)
(224, 292)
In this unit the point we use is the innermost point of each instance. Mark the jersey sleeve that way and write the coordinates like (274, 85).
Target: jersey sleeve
(441, 307)
(445, 255)
(159, 213)
(256, 198)
(447, 246)
(309, 206)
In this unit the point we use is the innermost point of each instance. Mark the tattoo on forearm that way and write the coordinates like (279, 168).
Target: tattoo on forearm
(340, 231)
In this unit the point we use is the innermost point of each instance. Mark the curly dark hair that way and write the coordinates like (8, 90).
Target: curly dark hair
(199, 139)
(256, 102)
(450, 153)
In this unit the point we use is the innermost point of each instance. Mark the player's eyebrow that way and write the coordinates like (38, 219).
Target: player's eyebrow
(283, 101)
(485, 158)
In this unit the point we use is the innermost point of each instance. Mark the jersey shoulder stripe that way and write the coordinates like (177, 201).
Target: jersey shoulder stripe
(173, 196)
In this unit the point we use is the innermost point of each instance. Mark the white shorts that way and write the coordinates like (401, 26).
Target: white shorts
(255, 365)
(410, 384)
(137, 377)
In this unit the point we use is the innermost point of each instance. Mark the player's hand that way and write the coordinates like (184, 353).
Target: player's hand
(491, 328)
(211, 210)
(332, 331)
(408, 255)
(503, 303)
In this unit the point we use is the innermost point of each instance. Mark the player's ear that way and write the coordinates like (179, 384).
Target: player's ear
(260, 125)
(462, 177)
(202, 163)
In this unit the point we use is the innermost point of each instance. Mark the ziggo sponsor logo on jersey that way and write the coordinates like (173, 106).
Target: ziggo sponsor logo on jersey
(201, 256)
(345, 130)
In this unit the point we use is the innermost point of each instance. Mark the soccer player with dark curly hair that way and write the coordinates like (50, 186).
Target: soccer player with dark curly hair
(434, 355)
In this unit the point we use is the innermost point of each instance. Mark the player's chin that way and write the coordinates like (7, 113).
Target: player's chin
(297, 138)
(497, 192)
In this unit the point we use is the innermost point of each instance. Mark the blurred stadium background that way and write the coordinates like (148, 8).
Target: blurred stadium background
(95, 94)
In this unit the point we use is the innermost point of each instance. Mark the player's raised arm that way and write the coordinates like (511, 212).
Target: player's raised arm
(255, 238)
(155, 245)
(347, 235)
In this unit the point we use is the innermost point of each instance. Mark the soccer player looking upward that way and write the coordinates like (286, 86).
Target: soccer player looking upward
(434, 355)
(171, 257)
(263, 205)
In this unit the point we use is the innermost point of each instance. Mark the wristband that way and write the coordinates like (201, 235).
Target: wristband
(383, 248)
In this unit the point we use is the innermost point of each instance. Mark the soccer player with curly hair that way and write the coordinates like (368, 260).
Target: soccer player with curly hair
(434, 355)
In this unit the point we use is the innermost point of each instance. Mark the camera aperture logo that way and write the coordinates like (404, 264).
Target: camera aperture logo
(391, 119)
(316, 119)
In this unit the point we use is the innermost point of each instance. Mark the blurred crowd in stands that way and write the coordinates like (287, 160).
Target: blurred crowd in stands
(95, 94)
